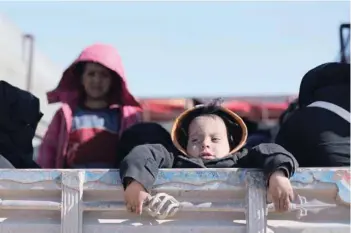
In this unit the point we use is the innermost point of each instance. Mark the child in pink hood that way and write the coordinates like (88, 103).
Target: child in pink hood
(96, 108)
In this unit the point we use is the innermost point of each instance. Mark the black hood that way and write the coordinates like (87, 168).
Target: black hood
(327, 82)
(19, 117)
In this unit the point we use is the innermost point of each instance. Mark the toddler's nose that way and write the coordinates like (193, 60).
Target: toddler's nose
(205, 144)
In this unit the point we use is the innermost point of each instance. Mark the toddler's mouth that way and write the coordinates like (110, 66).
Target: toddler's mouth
(206, 155)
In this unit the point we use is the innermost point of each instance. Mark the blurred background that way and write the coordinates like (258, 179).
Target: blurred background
(177, 54)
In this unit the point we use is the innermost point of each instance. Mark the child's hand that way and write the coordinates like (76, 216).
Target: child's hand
(134, 196)
(281, 191)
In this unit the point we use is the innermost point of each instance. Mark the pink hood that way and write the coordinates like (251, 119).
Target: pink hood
(67, 90)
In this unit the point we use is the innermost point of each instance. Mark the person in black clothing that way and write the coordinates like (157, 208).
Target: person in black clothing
(316, 135)
(19, 118)
(206, 137)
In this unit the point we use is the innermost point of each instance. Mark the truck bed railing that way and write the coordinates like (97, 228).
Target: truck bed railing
(212, 200)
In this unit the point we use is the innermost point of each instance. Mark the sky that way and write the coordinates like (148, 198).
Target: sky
(182, 49)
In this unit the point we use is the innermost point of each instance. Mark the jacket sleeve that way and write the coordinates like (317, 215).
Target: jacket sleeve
(143, 162)
(270, 157)
(133, 116)
(48, 149)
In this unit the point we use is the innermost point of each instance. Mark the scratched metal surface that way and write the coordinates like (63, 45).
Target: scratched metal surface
(191, 178)
(338, 176)
(216, 178)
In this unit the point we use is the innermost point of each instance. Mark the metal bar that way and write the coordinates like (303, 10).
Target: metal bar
(342, 28)
(29, 205)
(188, 207)
(30, 38)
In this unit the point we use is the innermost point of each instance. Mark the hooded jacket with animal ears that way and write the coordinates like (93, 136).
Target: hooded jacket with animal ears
(55, 142)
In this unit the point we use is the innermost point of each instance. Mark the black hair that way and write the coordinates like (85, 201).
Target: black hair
(80, 68)
(234, 130)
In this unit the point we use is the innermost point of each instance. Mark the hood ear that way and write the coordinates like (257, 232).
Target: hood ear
(237, 130)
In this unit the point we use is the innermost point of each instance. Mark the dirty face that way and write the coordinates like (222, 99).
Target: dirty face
(96, 80)
(208, 138)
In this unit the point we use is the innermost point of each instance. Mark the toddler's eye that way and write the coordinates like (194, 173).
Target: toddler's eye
(194, 140)
(215, 139)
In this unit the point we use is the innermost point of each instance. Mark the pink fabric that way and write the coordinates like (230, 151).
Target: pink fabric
(54, 145)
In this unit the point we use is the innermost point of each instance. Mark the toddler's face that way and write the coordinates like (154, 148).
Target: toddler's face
(96, 80)
(208, 138)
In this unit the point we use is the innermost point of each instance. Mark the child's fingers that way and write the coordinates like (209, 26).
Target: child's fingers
(276, 203)
(286, 203)
(139, 207)
(135, 206)
(281, 202)
(129, 207)
(130, 204)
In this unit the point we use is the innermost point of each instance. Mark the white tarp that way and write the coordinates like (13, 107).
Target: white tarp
(13, 68)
